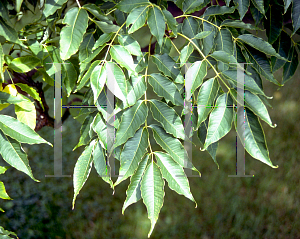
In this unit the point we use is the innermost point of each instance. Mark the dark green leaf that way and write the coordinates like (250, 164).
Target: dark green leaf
(290, 68)
(296, 15)
(163, 87)
(254, 138)
(128, 5)
(156, 23)
(218, 10)
(242, 6)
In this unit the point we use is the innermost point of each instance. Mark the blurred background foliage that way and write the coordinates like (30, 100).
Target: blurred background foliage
(266, 206)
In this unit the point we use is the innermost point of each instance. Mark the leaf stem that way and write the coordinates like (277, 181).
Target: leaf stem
(173, 44)
(110, 45)
(200, 18)
(204, 58)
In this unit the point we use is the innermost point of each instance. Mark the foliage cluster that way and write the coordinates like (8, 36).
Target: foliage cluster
(97, 41)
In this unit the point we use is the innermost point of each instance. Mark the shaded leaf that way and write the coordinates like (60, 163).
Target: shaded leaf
(128, 5)
(259, 44)
(290, 68)
(100, 164)
(218, 10)
(211, 149)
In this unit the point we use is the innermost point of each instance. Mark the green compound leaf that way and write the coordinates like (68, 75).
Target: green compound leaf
(9, 33)
(82, 169)
(255, 104)
(206, 97)
(242, 6)
(164, 87)
(250, 83)
(168, 117)
(134, 189)
(220, 120)
(137, 18)
(185, 53)
(152, 190)
(24, 63)
(133, 152)
(218, 10)
(172, 146)
(194, 77)
(51, 6)
(130, 44)
(131, 121)
(98, 79)
(171, 21)
(121, 55)
(128, 5)
(261, 64)
(100, 164)
(289, 69)
(12, 152)
(259, 44)
(8, 98)
(168, 66)
(71, 35)
(211, 149)
(3, 193)
(296, 16)
(20, 131)
(223, 56)
(237, 24)
(156, 23)
(254, 138)
(26, 113)
(174, 174)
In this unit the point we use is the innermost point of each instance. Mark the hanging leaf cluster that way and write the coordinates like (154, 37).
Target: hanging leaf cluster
(115, 53)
